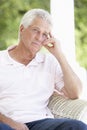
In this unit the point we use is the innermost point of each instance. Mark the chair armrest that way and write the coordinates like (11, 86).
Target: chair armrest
(68, 108)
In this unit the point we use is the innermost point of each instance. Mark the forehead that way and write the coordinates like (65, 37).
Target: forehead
(41, 24)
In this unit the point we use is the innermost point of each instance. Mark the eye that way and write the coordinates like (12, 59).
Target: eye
(45, 35)
(35, 30)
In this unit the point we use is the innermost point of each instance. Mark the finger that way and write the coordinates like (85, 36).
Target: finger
(50, 34)
(50, 45)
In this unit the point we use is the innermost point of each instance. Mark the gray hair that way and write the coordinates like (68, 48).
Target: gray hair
(32, 14)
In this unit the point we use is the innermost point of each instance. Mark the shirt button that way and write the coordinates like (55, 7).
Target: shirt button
(46, 114)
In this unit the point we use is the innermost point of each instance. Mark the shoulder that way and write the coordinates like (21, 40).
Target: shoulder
(3, 54)
(49, 59)
(46, 56)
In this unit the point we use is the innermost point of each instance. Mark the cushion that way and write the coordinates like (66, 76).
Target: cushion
(68, 108)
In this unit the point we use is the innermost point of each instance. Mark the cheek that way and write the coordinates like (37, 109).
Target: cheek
(25, 37)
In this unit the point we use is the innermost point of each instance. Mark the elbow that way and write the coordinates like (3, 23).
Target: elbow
(77, 92)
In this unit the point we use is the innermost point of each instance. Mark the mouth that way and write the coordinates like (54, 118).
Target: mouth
(36, 45)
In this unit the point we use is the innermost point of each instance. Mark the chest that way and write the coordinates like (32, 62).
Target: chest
(25, 79)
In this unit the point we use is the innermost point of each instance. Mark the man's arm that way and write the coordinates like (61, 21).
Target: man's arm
(13, 124)
(72, 84)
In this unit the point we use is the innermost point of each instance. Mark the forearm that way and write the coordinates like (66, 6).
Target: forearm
(13, 124)
(5, 119)
(72, 83)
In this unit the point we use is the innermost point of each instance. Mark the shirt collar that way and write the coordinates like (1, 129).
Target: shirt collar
(39, 58)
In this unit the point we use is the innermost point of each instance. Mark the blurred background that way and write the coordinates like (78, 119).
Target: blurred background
(11, 12)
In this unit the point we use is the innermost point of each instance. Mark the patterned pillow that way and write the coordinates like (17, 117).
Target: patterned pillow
(67, 108)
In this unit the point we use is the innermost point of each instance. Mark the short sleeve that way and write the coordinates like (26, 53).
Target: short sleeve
(59, 83)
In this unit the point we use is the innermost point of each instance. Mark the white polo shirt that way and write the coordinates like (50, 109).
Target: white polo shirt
(25, 90)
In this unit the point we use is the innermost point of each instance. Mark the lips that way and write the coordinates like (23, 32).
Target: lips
(36, 43)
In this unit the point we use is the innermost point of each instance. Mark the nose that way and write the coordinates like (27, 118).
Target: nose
(39, 37)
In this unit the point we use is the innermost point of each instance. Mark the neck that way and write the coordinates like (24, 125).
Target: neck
(20, 55)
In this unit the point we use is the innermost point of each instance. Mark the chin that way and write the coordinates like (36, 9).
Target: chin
(36, 49)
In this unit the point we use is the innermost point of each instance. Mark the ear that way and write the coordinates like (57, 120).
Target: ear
(21, 28)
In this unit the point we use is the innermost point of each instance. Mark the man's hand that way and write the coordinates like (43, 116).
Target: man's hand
(52, 45)
(17, 125)
(13, 124)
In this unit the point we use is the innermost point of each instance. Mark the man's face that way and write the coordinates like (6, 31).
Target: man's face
(32, 37)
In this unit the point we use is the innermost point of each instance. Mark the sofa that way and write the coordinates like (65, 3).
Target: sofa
(68, 108)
